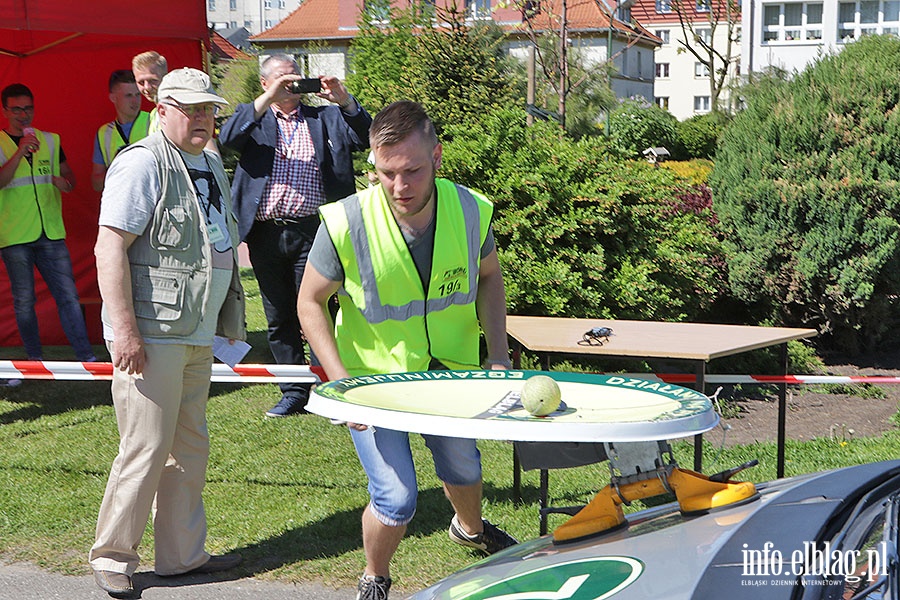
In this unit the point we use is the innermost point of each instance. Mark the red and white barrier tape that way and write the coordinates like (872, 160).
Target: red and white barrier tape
(688, 378)
(78, 371)
(88, 371)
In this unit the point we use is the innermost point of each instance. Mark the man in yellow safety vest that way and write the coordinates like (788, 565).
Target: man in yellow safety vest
(419, 279)
(33, 172)
(149, 68)
(131, 124)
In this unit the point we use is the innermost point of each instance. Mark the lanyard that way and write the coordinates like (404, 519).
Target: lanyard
(287, 139)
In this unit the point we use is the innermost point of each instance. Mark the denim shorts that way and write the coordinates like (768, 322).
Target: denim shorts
(387, 460)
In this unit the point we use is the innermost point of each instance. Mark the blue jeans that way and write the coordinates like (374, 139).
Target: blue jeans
(387, 460)
(51, 257)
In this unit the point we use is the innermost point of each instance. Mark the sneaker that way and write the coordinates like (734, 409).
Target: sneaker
(491, 540)
(289, 405)
(373, 587)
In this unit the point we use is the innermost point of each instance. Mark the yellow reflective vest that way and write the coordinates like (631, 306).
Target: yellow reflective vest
(154, 120)
(30, 204)
(111, 140)
(387, 322)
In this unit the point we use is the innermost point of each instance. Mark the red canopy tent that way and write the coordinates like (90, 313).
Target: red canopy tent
(64, 51)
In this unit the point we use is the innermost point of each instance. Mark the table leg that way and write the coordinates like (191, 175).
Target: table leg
(517, 466)
(517, 477)
(516, 354)
(700, 386)
(782, 409)
(544, 500)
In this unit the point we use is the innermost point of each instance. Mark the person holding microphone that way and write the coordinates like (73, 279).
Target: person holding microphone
(33, 175)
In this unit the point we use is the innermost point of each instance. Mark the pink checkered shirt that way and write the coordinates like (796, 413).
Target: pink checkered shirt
(294, 189)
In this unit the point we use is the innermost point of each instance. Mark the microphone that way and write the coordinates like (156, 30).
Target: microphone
(28, 131)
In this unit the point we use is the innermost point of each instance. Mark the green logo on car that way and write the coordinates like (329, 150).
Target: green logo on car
(587, 579)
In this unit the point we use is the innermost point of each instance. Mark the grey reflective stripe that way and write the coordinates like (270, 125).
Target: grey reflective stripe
(28, 181)
(48, 139)
(376, 311)
(107, 150)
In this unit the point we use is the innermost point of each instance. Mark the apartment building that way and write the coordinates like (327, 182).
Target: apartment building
(253, 15)
(682, 81)
(790, 35)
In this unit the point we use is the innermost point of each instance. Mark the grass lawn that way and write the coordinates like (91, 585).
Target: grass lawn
(287, 493)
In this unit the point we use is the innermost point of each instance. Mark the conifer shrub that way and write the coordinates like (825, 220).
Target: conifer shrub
(582, 231)
(806, 186)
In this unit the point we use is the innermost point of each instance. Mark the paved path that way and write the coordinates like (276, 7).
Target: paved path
(26, 582)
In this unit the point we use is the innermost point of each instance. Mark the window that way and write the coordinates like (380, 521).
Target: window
(662, 70)
(281, 3)
(269, 23)
(703, 5)
(267, 4)
(664, 6)
(701, 69)
(792, 22)
(530, 9)
(232, 5)
(232, 24)
(701, 103)
(479, 9)
(705, 35)
(379, 11)
(867, 17)
(662, 102)
(248, 25)
(663, 34)
(210, 4)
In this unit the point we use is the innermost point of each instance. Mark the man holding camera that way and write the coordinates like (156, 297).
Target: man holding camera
(294, 158)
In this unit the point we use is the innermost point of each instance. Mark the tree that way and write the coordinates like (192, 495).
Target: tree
(710, 31)
(699, 135)
(431, 55)
(565, 71)
(638, 124)
(381, 53)
(806, 185)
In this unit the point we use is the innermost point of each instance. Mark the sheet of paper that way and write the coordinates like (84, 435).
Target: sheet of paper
(230, 354)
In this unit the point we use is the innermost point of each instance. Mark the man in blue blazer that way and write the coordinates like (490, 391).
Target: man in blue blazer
(293, 159)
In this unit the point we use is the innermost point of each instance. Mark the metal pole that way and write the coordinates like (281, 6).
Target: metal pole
(609, 63)
(529, 94)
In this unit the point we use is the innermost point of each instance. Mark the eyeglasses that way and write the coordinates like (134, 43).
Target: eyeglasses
(195, 110)
(595, 336)
(20, 110)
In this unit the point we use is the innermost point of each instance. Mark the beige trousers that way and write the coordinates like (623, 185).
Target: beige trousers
(161, 464)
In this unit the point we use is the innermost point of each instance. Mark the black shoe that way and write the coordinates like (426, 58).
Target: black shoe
(491, 540)
(117, 585)
(287, 406)
(373, 587)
